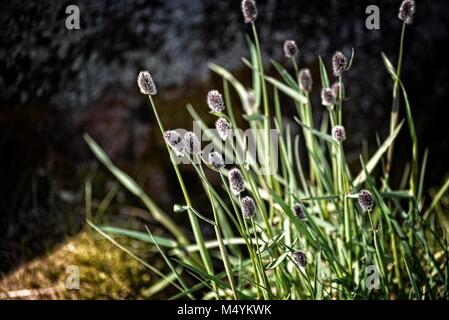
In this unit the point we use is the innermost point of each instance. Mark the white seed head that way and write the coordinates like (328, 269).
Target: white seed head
(327, 97)
(248, 207)
(300, 258)
(407, 11)
(236, 181)
(146, 83)
(366, 200)
(191, 143)
(216, 161)
(249, 10)
(290, 48)
(298, 211)
(222, 125)
(305, 80)
(175, 141)
(215, 101)
(339, 63)
(339, 133)
(336, 90)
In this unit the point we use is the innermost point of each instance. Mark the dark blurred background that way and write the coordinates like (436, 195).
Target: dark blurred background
(56, 84)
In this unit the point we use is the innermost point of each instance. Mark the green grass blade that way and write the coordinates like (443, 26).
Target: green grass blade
(161, 241)
(287, 90)
(135, 189)
(361, 177)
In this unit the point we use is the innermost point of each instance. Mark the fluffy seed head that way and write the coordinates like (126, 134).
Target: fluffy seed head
(290, 48)
(249, 10)
(146, 83)
(215, 101)
(305, 80)
(216, 161)
(236, 182)
(299, 211)
(327, 97)
(248, 207)
(300, 258)
(174, 140)
(407, 11)
(339, 133)
(366, 200)
(339, 63)
(336, 90)
(191, 143)
(222, 125)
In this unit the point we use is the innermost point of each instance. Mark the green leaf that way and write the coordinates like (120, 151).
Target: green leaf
(219, 114)
(437, 198)
(142, 236)
(350, 60)
(169, 263)
(323, 197)
(135, 189)
(272, 242)
(257, 88)
(202, 217)
(216, 279)
(124, 179)
(273, 264)
(285, 75)
(254, 117)
(412, 278)
(124, 249)
(159, 285)
(323, 73)
(318, 277)
(319, 134)
(287, 90)
(180, 208)
(361, 177)
(389, 66)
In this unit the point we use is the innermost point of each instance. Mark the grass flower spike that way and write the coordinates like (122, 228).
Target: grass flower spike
(339, 63)
(216, 161)
(300, 258)
(191, 143)
(236, 181)
(327, 97)
(215, 101)
(305, 80)
(249, 10)
(336, 90)
(248, 207)
(339, 133)
(407, 11)
(298, 211)
(146, 83)
(222, 125)
(290, 48)
(366, 200)
(174, 140)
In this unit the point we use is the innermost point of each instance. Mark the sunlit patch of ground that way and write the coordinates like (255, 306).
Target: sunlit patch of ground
(105, 271)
